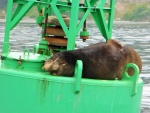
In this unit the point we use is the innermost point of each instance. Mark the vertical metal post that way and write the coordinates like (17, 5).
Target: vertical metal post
(97, 10)
(111, 16)
(100, 19)
(5, 47)
(45, 26)
(73, 24)
(21, 14)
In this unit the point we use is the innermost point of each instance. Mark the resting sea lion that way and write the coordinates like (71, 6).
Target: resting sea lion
(100, 61)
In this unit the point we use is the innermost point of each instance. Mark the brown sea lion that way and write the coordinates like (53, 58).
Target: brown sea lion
(100, 61)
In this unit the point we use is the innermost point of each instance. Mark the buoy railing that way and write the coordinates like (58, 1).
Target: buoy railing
(97, 8)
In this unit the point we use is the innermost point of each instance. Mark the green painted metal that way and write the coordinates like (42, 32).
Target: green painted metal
(84, 33)
(39, 92)
(43, 48)
(35, 48)
(6, 45)
(21, 13)
(78, 75)
(95, 7)
(97, 11)
(25, 87)
(24, 61)
(99, 17)
(26, 51)
(134, 78)
(39, 19)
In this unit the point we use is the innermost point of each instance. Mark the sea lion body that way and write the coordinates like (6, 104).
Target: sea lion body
(100, 61)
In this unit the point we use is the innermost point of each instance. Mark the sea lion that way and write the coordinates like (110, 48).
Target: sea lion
(100, 61)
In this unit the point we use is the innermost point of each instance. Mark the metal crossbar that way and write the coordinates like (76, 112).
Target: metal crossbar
(97, 8)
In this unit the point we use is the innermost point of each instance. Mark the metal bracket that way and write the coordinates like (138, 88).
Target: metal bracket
(78, 75)
(134, 78)
(26, 51)
(35, 48)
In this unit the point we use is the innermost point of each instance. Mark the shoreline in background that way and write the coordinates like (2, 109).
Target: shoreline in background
(90, 21)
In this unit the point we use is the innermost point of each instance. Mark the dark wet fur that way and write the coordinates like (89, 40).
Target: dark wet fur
(100, 61)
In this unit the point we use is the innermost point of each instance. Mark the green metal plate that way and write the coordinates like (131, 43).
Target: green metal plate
(25, 56)
(29, 92)
(24, 61)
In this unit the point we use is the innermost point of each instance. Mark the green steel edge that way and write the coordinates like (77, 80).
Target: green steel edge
(39, 92)
(90, 7)
(25, 87)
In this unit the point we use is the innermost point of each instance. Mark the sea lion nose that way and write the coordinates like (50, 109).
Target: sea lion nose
(46, 66)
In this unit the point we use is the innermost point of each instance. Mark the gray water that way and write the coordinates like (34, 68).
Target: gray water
(136, 36)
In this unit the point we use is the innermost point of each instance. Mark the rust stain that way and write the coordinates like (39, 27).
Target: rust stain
(44, 87)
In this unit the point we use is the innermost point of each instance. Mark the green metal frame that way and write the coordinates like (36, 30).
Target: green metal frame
(94, 7)
(21, 74)
(33, 92)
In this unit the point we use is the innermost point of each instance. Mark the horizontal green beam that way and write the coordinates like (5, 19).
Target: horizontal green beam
(62, 5)
(96, 7)
(23, 10)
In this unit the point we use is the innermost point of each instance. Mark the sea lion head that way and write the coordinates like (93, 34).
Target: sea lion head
(59, 65)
